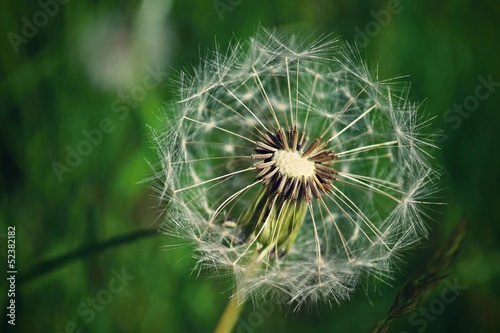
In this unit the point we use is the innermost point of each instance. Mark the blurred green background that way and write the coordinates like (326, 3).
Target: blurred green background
(99, 72)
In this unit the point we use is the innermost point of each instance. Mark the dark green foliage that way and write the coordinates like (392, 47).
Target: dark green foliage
(70, 82)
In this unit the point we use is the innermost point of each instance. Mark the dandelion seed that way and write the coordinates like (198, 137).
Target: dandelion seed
(289, 164)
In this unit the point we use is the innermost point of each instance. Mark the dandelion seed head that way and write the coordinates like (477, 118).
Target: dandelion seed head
(292, 167)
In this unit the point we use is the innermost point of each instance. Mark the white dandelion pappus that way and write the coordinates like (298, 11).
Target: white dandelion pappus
(288, 164)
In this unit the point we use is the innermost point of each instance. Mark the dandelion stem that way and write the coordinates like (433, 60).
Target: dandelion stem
(230, 316)
(236, 304)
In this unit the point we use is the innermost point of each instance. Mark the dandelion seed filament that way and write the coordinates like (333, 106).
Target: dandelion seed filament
(290, 160)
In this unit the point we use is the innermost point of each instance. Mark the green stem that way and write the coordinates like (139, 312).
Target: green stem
(49, 265)
(230, 316)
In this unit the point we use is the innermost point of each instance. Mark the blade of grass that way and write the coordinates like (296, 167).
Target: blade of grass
(50, 265)
(424, 280)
